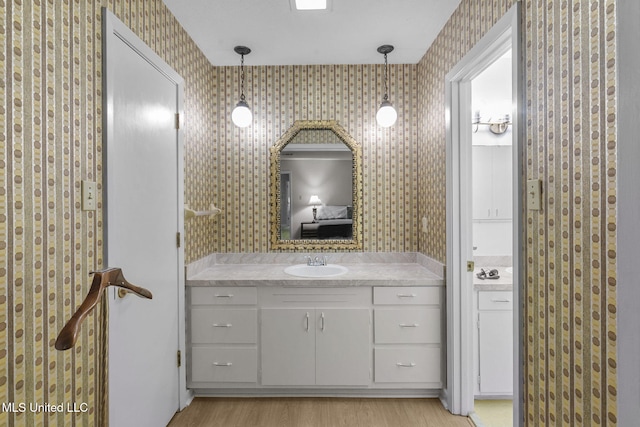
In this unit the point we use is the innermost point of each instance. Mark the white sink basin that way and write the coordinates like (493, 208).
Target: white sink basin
(304, 270)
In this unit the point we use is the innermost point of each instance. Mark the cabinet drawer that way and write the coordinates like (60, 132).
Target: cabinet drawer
(224, 365)
(407, 295)
(315, 297)
(223, 295)
(224, 325)
(407, 325)
(495, 300)
(407, 365)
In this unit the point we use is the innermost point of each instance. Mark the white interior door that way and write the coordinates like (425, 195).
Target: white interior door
(143, 220)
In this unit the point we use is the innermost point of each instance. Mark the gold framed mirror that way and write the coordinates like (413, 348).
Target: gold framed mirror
(311, 208)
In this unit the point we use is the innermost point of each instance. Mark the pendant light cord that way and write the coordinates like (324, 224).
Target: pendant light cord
(386, 88)
(242, 77)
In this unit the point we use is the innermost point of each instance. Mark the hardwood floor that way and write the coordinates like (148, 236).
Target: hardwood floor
(316, 412)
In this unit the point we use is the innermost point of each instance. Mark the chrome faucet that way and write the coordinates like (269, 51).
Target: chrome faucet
(317, 261)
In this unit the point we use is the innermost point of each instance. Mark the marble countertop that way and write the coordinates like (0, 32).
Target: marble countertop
(504, 283)
(360, 274)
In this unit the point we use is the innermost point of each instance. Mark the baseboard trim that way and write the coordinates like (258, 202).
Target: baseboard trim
(346, 393)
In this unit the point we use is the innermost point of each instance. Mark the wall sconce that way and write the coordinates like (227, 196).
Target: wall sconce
(497, 127)
(241, 114)
(386, 115)
(315, 201)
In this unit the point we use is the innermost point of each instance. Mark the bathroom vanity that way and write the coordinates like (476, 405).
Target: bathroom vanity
(376, 329)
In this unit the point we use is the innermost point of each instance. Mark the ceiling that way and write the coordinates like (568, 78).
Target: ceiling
(349, 33)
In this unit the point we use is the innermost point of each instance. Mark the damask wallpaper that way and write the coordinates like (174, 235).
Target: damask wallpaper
(570, 245)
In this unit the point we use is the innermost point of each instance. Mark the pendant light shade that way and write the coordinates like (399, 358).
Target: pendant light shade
(386, 115)
(241, 115)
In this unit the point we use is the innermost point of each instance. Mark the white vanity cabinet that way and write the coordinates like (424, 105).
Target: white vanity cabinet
(223, 333)
(495, 343)
(407, 336)
(323, 346)
(355, 339)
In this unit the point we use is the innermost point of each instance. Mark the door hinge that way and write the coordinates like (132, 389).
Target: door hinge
(178, 239)
(478, 379)
(471, 266)
(179, 358)
(177, 120)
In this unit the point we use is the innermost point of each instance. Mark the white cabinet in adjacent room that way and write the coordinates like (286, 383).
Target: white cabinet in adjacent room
(492, 182)
(315, 346)
(495, 342)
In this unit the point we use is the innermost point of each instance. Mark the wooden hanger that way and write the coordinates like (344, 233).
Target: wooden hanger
(101, 279)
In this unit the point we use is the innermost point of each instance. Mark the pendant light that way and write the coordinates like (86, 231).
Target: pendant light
(386, 115)
(241, 114)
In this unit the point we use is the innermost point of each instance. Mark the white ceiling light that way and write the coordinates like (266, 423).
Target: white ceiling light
(386, 115)
(241, 115)
(310, 4)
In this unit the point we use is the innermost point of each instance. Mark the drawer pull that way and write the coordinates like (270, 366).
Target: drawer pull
(222, 364)
(322, 322)
(499, 300)
(405, 325)
(407, 295)
(222, 325)
(405, 365)
(224, 295)
(307, 322)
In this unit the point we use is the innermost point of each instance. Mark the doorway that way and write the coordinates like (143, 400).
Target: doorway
(462, 301)
(492, 240)
(144, 227)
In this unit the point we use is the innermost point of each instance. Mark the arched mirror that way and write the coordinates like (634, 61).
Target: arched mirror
(316, 181)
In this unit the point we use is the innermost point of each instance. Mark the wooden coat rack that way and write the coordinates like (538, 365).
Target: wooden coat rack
(101, 280)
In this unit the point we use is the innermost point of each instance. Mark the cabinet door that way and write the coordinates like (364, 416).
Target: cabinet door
(496, 352)
(502, 182)
(342, 346)
(482, 182)
(288, 346)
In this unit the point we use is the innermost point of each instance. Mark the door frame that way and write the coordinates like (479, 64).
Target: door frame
(113, 27)
(459, 394)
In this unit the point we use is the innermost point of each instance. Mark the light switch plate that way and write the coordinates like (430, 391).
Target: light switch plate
(534, 194)
(89, 196)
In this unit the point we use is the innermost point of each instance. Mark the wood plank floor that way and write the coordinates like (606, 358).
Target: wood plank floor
(316, 412)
